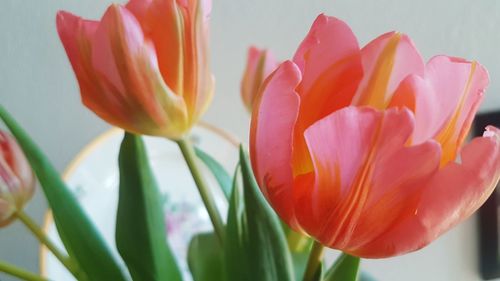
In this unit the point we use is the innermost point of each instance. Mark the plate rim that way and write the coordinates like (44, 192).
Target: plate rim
(87, 150)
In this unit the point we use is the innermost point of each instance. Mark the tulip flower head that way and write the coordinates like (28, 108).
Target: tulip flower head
(17, 182)
(364, 148)
(260, 63)
(144, 66)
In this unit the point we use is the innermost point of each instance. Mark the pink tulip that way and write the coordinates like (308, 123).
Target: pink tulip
(260, 63)
(144, 66)
(364, 149)
(17, 182)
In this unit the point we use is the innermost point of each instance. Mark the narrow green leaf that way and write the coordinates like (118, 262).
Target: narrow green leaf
(80, 237)
(235, 250)
(266, 250)
(345, 268)
(217, 170)
(206, 258)
(140, 224)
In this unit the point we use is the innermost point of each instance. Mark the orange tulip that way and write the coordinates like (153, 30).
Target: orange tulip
(364, 149)
(143, 67)
(260, 63)
(17, 182)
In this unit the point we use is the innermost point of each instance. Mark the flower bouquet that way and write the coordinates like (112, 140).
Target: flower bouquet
(358, 149)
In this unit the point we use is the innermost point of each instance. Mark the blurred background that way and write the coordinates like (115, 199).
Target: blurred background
(38, 87)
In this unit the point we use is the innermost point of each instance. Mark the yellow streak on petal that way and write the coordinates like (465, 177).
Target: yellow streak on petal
(447, 137)
(179, 88)
(352, 205)
(375, 92)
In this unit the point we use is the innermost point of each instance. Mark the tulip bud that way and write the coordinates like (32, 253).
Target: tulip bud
(17, 182)
(260, 63)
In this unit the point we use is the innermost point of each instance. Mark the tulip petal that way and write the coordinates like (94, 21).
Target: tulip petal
(444, 101)
(397, 181)
(6, 212)
(9, 185)
(459, 189)
(179, 32)
(15, 162)
(338, 145)
(356, 152)
(387, 60)
(460, 85)
(404, 95)
(75, 34)
(329, 41)
(198, 87)
(273, 120)
(161, 23)
(418, 95)
(330, 61)
(450, 197)
(129, 71)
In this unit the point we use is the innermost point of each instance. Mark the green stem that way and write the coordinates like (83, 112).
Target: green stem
(19, 272)
(315, 258)
(40, 235)
(189, 155)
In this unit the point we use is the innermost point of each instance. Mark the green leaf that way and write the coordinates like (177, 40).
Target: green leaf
(217, 170)
(205, 258)
(268, 247)
(80, 237)
(140, 224)
(345, 268)
(235, 254)
(255, 243)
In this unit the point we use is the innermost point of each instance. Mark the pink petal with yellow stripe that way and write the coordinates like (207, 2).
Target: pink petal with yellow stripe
(364, 171)
(387, 60)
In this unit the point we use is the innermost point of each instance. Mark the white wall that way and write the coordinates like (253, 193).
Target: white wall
(38, 87)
